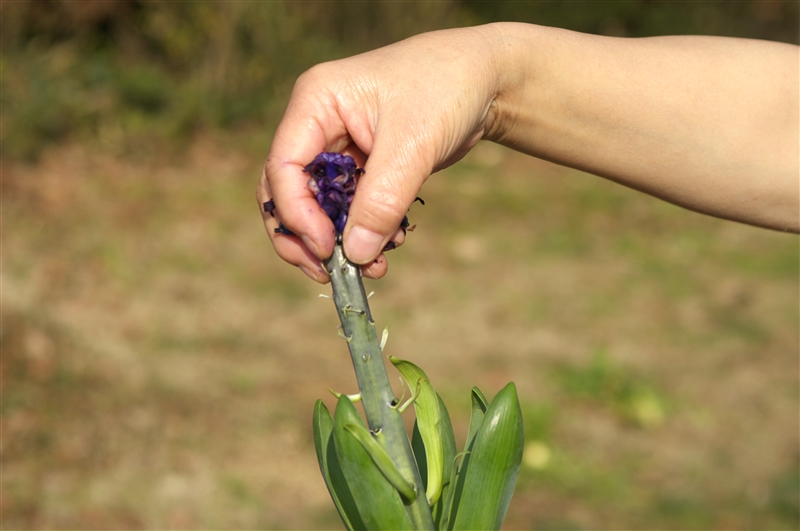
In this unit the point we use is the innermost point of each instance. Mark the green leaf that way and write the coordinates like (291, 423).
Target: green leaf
(448, 439)
(419, 454)
(379, 503)
(430, 413)
(382, 460)
(441, 507)
(479, 407)
(331, 471)
(488, 474)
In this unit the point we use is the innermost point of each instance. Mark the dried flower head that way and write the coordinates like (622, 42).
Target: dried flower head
(333, 182)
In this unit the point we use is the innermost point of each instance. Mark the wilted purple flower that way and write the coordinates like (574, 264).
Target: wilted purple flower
(333, 182)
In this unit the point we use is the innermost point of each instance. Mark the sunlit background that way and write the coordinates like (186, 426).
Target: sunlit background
(160, 363)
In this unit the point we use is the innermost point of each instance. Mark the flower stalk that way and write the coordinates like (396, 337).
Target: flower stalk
(383, 419)
(377, 477)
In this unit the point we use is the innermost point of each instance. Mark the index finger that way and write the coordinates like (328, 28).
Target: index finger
(308, 128)
(298, 208)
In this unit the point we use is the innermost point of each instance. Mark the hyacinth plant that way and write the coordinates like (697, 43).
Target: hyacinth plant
(378, 477)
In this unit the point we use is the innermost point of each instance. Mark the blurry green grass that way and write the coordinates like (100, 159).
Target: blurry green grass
(137, 77)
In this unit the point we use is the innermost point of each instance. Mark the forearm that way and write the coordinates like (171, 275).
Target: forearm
(707, 123)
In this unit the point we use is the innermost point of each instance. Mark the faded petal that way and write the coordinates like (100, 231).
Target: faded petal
(333, 182)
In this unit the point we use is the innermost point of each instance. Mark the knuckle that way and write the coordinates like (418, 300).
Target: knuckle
(382, 209)
(313, 76)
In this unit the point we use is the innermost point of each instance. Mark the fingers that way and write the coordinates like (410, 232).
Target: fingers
(377, 268)
(393, 178)
(292, 249)
(397, 126)
(394, 174)
(309, 126)
(295, 251)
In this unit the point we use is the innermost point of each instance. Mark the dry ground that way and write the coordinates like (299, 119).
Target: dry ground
(160, 364)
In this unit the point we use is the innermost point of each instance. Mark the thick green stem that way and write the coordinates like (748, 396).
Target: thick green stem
(384, 421)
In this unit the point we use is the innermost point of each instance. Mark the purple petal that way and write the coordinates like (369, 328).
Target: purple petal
(333, 182)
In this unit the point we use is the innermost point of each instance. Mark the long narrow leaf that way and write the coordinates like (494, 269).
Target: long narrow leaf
(418, 446)
(379, 504)
(429, 421)
(448, 457)
(479, 407)
(486, 483)
(382, 460)
(331, 471)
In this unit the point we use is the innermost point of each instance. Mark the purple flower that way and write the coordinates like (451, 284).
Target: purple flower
(333, 182)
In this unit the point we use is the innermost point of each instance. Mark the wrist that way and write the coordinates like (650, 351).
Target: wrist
(515, 68)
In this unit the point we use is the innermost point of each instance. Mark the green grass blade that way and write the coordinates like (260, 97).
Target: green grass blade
(486, 483)
(331, 471)
(379, 503)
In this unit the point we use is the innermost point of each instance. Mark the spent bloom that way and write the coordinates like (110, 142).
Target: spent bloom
(333, 179)
(333, 182)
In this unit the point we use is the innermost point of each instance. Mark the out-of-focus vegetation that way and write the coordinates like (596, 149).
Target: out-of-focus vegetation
(160, 363)
(136, 75)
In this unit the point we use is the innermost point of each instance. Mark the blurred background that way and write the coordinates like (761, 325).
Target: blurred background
(160, 364)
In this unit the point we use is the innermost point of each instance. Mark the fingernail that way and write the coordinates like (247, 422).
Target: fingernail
(362, 245)
(318, 273)
(372, 269)
(310, 274)
(310, 245)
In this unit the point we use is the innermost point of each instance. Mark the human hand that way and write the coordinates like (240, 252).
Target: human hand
(403, 112)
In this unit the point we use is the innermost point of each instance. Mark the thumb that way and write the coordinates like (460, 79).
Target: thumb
(392, 179)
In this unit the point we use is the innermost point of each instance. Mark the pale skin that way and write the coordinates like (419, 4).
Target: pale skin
(708, 123)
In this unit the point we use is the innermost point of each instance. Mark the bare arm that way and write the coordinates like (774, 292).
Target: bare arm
(704, 122)
(707, 123)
